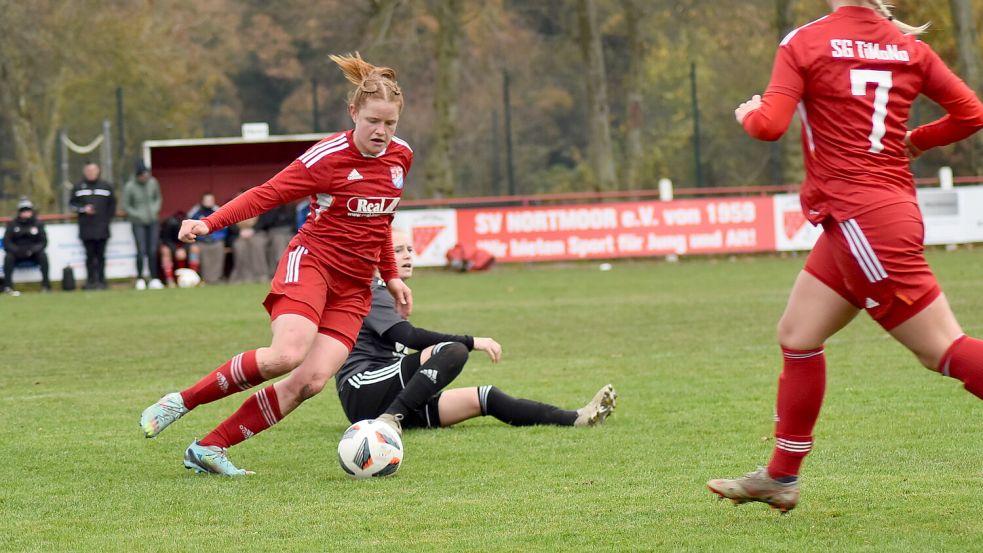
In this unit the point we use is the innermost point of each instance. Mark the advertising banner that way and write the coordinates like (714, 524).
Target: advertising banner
(432, 232)
(793, 232)
(615, 230)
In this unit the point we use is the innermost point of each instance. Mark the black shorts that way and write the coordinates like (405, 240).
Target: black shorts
(367, 393)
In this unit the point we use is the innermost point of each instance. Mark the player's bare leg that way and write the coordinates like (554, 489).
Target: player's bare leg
(457, 405)
(929, 333)
(935, 337)
(308, 379)
(814, 313)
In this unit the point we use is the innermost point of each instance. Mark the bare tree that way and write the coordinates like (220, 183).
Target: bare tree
(30, 99)
(599, 120)
(633, 92)
(440, 164)
(967, 44)
(380, 22)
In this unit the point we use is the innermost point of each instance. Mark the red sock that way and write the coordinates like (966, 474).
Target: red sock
(167, 266)
(259, 412)
(800, 396)
(964, 361)
(237, 374)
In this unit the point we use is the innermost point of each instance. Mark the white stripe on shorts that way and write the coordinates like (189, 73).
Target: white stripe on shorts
(293, 265)
(378, 375)
(862, 251)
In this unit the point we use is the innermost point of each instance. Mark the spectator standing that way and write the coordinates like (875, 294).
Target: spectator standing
(141, 202)
(24, 240)
(249, 253)
(94, 201)
(279, 225)
(212, 246)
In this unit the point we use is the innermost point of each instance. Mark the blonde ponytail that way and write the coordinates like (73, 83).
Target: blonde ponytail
(370, 81)
(885, 10)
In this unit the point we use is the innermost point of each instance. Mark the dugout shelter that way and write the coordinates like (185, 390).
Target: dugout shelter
(187, 168)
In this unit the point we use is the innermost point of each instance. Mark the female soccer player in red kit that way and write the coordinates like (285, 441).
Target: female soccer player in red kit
(322, 287)
(853, 76)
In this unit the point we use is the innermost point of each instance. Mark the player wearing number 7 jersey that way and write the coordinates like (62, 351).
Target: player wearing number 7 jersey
(852, 76)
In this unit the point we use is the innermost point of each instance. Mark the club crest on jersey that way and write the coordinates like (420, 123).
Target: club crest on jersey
(371, 207)
(397, 174)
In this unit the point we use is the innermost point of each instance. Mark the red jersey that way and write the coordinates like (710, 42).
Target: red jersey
(855, 76)
(353, 199)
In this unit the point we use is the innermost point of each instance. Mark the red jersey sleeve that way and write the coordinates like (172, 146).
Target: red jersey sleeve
(387, 258)
(965, 112)
(290, 184)
(771, 120)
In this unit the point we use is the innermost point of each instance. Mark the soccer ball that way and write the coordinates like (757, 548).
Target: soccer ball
(370, 448)
(187, 278)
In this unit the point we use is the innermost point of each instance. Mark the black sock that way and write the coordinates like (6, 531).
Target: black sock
(445, 363)
(521, 412)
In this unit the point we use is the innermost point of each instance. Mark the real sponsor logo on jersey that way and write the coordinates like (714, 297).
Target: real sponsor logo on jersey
(371, 207)
(397, 174)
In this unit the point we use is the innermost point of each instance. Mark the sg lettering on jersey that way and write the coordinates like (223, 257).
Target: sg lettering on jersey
(371, 207)
(845, 48)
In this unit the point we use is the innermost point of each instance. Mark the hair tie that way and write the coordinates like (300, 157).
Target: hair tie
(890, 18)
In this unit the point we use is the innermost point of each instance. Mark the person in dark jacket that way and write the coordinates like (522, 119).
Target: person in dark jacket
(94, 201)
(24, 240)
(279, 225)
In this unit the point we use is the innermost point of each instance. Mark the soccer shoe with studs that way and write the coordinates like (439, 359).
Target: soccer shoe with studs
(160, 415)
(210, 459)
(597, 411)
(758, 486)
(392, 420)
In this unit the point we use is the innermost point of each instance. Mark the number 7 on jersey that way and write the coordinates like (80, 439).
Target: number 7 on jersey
(859, 79)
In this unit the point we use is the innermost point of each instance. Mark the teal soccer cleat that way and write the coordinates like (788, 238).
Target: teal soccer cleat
(210, 459)
(160, 415)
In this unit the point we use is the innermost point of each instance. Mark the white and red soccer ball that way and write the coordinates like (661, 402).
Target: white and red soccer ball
(370, 448)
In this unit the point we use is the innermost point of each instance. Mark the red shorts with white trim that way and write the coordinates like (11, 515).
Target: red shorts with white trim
(876, 261)
(332, 300)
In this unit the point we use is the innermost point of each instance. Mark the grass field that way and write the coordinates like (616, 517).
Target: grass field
(689, 346)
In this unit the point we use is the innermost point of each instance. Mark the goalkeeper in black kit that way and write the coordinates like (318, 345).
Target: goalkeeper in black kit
(382, 380)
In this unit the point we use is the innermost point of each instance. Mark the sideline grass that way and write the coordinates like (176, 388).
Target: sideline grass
(897, 465)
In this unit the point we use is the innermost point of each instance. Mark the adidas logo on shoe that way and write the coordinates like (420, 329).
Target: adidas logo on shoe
(354, 175)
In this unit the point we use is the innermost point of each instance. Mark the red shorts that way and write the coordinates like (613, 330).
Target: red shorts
(332, 300)
(876, 261)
